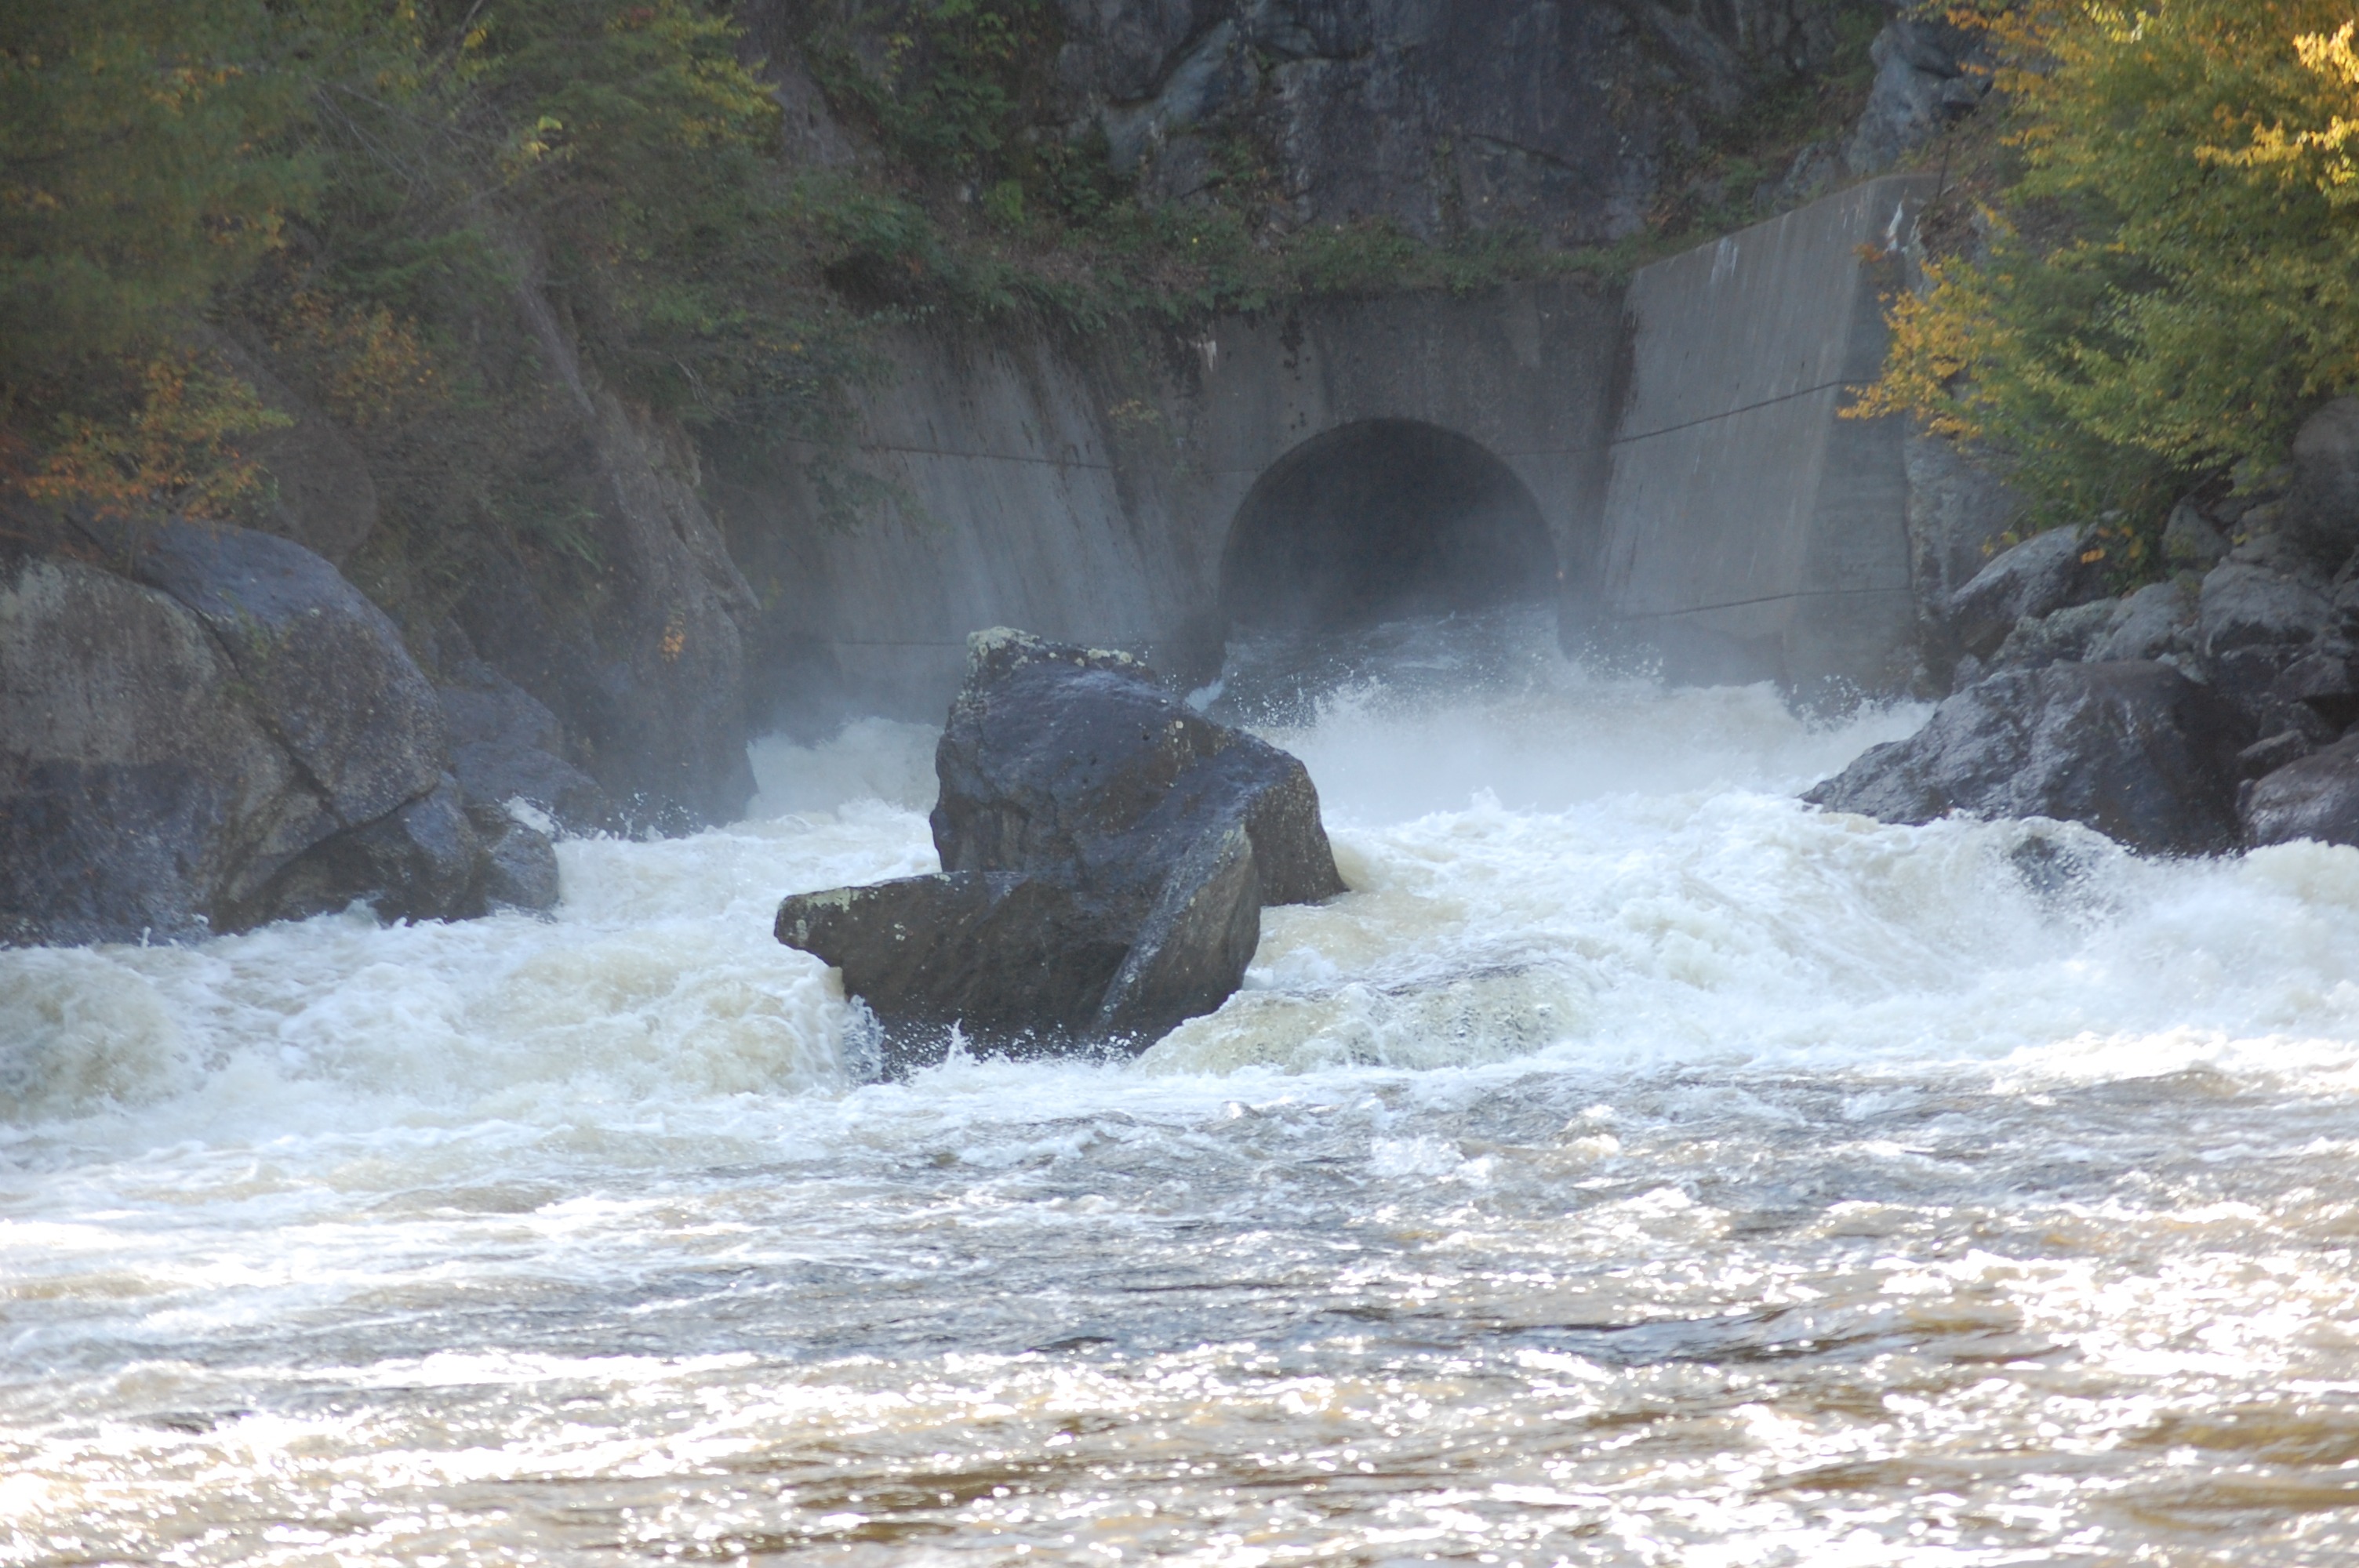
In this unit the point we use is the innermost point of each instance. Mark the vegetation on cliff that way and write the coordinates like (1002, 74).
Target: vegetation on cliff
(355, 191)
(216, 210)
(2163, 277)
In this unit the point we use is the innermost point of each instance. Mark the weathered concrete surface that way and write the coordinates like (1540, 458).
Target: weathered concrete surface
(1702, 496)
(1748, 531)
(1092, 500)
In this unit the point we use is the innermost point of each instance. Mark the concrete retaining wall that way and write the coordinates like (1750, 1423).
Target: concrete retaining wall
(1750, 532)
(1083, 494)
(1680, 441)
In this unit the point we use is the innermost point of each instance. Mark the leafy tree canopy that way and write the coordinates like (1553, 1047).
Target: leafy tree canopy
(2173, 276)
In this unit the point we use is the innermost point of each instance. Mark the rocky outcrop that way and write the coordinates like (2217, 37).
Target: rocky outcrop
(2157, 619)
(1106, 851)
(2262, 615)
(219, 733)
(2036, 577)
(2315, 797)
(1441, 117)
(2135, 750)
(1927, 74)
(644, 663)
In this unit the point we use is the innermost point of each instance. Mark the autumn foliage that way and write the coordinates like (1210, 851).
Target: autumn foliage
(2173, 278)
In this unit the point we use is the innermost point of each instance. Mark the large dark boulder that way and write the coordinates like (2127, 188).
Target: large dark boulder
(2321, 503)
(211, 730)
(2039, 576)
(2133, 749)
(422, 860)
(1007, 958)
(1107, 852)
(2247, 604)
(1072, 763)
(2272, 640)
(324, 667)
(2316, 797)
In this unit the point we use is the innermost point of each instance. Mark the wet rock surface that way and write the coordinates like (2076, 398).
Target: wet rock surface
(2261, 613)
(1006, 958)
(1072, 763)
(1107, 851)
(2316, 797)
(211, 729)
(2133, 750)
(505, 745)
(2035, 579)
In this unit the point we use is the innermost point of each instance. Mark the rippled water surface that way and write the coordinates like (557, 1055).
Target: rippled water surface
(1636, 1167)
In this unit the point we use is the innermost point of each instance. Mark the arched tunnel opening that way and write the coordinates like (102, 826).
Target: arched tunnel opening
(1380, 521)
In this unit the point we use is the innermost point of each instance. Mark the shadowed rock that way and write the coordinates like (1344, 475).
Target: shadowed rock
(2040, 576)
(2133, 749)
(507, 745)
(1107, 852)
(221, 730)
(1003, 955)
(2316, 797)
(1072, 763)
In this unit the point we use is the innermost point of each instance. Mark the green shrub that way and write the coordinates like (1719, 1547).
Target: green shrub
(2174, 277)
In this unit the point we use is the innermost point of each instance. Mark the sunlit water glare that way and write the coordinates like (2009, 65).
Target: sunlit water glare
(1636, 1167)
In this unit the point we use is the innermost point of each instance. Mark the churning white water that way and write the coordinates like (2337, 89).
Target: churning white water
(1636, 1167)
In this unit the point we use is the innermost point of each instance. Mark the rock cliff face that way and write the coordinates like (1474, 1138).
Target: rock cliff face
(644, 663)
(1444, 116)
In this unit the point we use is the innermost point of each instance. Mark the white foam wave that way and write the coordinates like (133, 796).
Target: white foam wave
(1588, 870)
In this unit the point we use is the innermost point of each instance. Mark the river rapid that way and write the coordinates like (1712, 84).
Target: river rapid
(1636, 1167)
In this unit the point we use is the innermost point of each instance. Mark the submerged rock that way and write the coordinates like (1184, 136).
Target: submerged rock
(2133, 750)
(1107, 851)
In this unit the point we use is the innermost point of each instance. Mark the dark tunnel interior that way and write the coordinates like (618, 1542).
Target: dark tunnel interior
(1381, 520)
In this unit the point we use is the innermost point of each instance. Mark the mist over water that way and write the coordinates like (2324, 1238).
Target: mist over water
(1636, 1167)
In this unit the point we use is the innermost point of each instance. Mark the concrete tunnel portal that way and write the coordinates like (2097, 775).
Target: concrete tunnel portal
(1379, 520)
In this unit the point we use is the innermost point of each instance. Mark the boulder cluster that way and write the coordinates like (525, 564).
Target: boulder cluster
(2216, 708)
(1106, 853)
(203, 728)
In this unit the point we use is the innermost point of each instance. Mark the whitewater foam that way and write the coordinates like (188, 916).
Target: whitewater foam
(1636, 1166)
